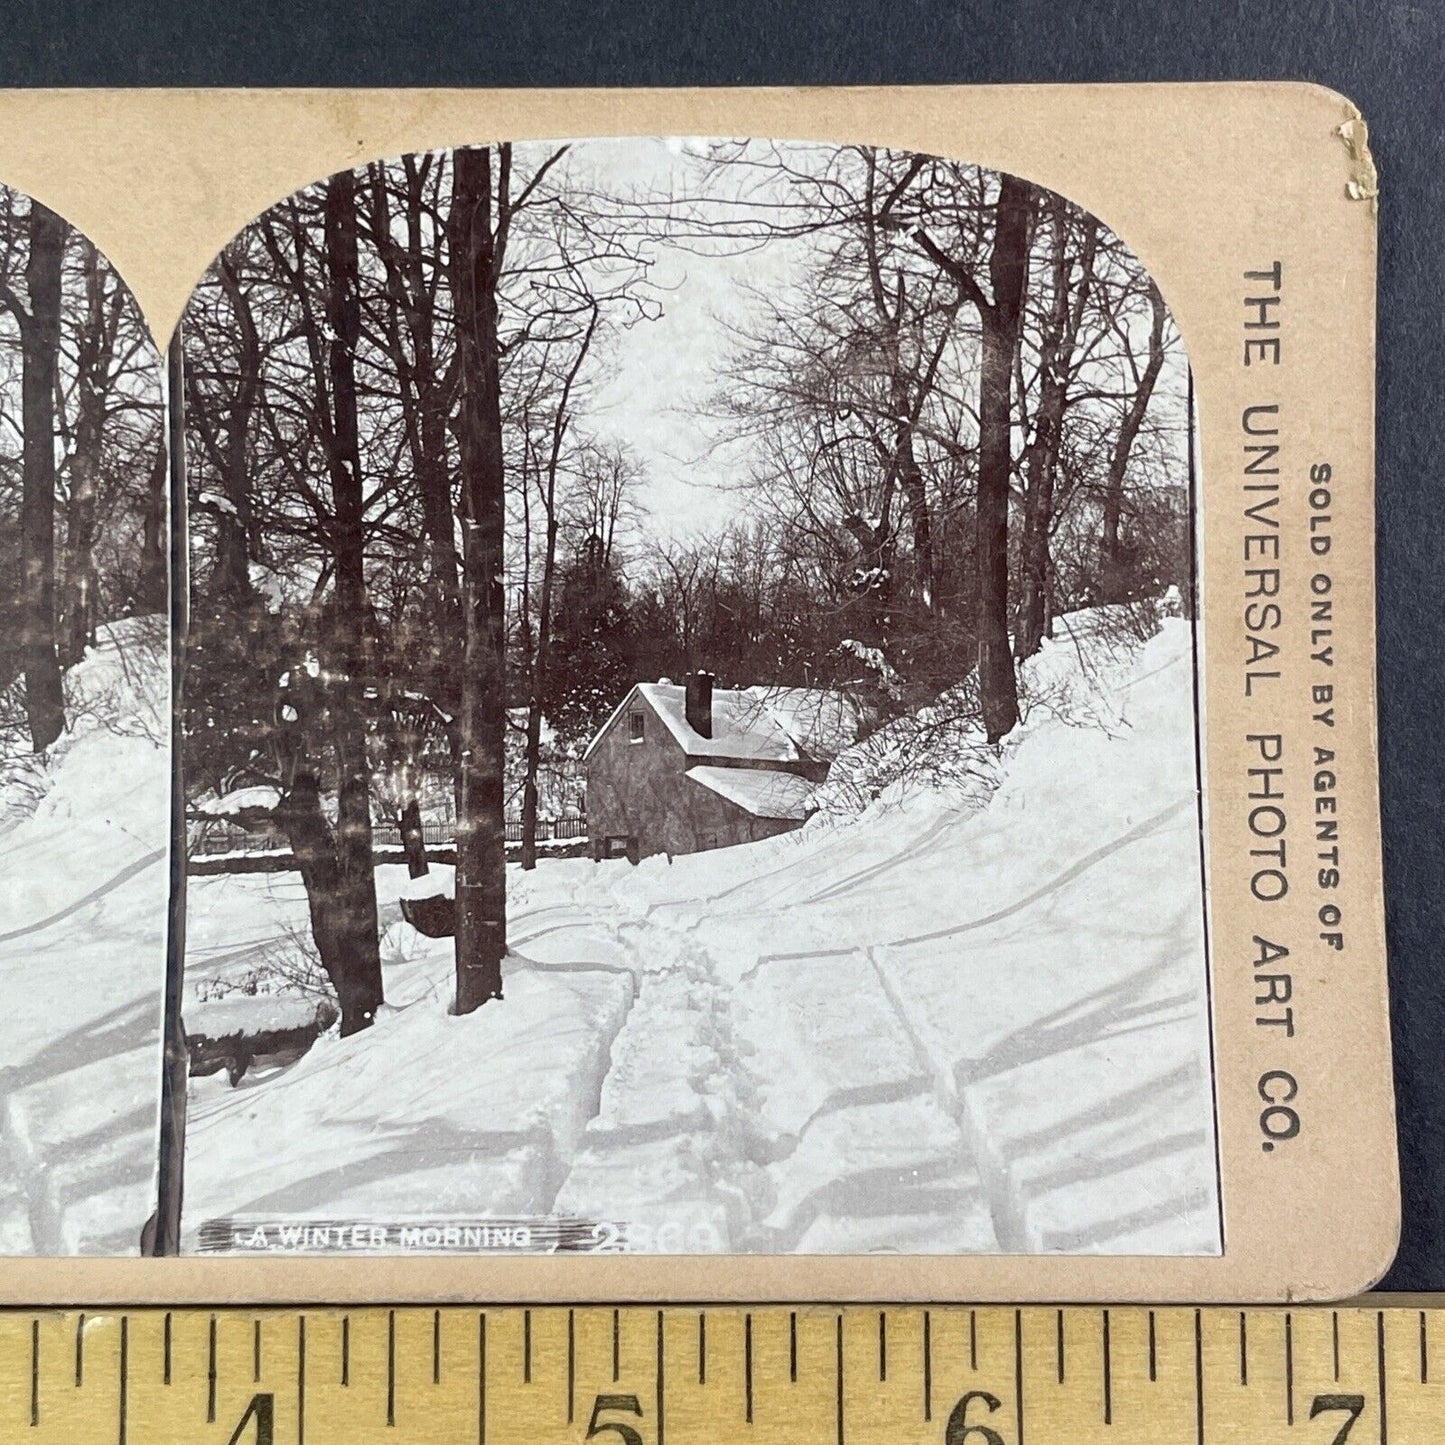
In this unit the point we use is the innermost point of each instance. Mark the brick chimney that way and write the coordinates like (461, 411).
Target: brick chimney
(699, 703)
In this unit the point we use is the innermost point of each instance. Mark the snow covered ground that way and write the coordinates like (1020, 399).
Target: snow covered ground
(972, 1018)
(82, 959)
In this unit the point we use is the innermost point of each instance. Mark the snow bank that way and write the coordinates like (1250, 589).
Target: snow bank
(969, 1017)
(424, 1113)
(82, 958)
(99, 800)
(440, 881)
(941, 748)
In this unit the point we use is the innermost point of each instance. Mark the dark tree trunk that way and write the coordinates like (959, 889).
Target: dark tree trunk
(481, 885)
(78, 598)
(425, 397)
(873, 574)
(152, 589)
(232, 577)
(542, 655)
(356, 875)
(911, 484)
(40, 349)
(331, 899)
(540, 682)
(413, 840)
(1041, 460)
(998, 688)
(1117, 586)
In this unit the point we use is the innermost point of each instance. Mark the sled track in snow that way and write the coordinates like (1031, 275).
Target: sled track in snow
(70, 909)
(1090, 860)
(1083, 865)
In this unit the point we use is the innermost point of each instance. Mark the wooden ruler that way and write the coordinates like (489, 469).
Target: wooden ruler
(643, 1375)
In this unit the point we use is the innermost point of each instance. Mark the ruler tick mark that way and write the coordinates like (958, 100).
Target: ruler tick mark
(124, 1375)
(927, 1366)
(1424, 1352)
(255, 1351)
(702, 1347)
(301, 1380)
(973, 1339)
(793, 1346)
(1335, 1340)
(166, 1350)
(80, 1352)
(616, 1345)
(436, 1346)
(1059, 1343)
(748, 1366)
(211, 1374)
(482, 1377)
(839, 1350)
(1380, 1367)
(345, 1349)
(1019, 1372)
(1153, 1354)
(661, 1378)
(391, 1367)
(1199, 1378)
(571, 1366)
(34, 1373)
(882, 1345)
(1108, 1376)
(1288, 1369)
(1243, 1349)
(526, 1347)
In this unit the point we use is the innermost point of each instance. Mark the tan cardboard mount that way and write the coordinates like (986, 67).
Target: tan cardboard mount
(1205, 183)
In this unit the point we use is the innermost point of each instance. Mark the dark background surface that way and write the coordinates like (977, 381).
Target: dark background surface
(1389, 57)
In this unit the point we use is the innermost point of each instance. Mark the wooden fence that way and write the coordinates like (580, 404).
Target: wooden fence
(209, 839)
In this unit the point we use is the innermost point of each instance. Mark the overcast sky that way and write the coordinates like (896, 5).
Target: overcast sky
(661, 375)
(663, 371)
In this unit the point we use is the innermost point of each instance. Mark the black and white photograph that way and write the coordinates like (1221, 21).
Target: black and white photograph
(84, 743)
(691, 740)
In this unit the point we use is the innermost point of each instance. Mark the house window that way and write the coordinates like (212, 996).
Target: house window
(636, 727)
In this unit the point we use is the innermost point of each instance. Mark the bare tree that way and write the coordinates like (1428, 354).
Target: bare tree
(1058, 338)
(357, 890)
(152, 590)
(547, 478)
(1124, 441)
(1001, 316)
(477, 244)
(228, 438)
(39, 325)
(93, 366)
(318, 717)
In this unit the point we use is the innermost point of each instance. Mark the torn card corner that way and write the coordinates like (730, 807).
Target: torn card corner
(1364, 179)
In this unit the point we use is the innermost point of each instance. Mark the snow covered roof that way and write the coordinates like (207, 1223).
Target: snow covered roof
(755, 724)
(819, 721)
(229, 805)
(763, 792)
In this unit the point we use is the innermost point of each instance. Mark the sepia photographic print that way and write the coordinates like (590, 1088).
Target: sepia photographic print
(690, 725)
(770, 701)
(84, 731)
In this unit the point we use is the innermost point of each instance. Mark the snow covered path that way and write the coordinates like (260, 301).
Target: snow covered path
(938, 1027)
